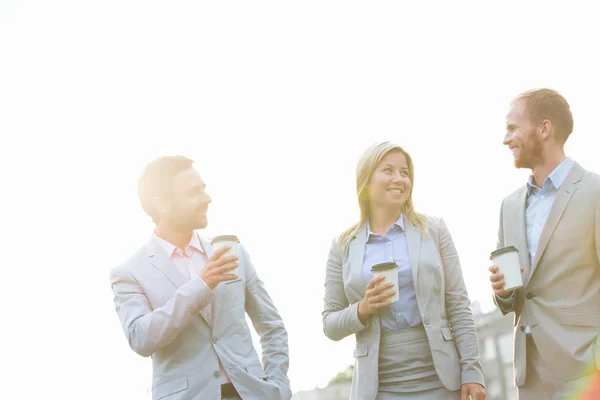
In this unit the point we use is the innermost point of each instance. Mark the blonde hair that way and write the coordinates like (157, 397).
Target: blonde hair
(364, 171)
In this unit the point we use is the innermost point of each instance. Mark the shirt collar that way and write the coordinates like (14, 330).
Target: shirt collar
(170, 247)
(556, 177)
(399, 223)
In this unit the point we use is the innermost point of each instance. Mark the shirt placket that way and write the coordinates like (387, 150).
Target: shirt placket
(188, 260)
(389, 248)
(391, 255)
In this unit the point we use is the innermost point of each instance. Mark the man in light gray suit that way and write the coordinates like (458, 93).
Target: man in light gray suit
(178, 302)
(554, 222)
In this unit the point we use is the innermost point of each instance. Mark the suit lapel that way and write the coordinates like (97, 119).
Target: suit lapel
(206, 246)
(357, 254)
(564, 195)
(413, 239)
(159, 258)
(208, 250)
(521, 245)
(356, 258)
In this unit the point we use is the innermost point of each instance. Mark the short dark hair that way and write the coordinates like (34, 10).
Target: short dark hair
(548, 104)
(157, 181)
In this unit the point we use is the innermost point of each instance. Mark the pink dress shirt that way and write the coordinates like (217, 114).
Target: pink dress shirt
(190, 263)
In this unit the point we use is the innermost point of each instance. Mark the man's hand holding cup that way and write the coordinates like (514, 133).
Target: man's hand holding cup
(218, 267)
(506, 272)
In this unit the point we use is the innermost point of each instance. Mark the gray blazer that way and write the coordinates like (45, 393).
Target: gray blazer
(442, 300)
(560, 299)
(160, 313)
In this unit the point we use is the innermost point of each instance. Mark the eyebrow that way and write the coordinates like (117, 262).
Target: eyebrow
(393, 166)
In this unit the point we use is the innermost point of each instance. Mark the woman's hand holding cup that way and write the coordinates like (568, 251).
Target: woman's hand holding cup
(375, 298)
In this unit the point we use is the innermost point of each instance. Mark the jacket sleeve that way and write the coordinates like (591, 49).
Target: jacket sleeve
(504, 305)
(147, 330)
(340, 318)
(269, 326)
(458, 308)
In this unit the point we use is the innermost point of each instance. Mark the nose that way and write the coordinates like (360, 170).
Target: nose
(507, 138)
(207, 198)
(396, 177)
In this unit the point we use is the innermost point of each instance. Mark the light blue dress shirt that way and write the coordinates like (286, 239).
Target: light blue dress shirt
(393, 246)
(539, 204)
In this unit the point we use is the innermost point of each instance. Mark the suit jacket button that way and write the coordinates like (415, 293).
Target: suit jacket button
(216, 374)
(522, 328)
(426, 321)
(529, 296)
(214, 340)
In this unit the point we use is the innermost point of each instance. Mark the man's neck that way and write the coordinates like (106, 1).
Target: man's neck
(381, 219)
(544, 169)
(176, 238)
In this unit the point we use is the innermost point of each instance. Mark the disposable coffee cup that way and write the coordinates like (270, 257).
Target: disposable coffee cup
(390, 271)
(507, 261)
(231, 240)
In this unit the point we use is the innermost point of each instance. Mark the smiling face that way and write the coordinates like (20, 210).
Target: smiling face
(390, 184)
(186, 209)
(522, 137)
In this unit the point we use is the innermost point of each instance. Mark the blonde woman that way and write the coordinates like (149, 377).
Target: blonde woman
(424, 345)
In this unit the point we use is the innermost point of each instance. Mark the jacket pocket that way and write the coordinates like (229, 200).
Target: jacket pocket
(234, 290)
(447, 334)
(361, 349)
(573, 231)
(168, 388)
(579, 318)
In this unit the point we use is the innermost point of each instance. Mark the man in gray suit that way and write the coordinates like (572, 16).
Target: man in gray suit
(554, 222)
(178, 303)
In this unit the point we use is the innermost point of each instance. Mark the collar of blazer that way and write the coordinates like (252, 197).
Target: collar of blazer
(563, 196)
(356, 256)
(159, 258)
(161, 261)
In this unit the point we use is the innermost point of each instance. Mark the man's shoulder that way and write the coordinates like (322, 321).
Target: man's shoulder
(589, 187)
(591, 179)
(587, 182)
(131, 264)
(516, 193)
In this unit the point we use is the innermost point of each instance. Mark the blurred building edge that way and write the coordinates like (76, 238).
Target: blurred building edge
(495, 334)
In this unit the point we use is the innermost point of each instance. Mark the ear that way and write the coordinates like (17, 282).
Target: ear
(162, 206)
(545, 129)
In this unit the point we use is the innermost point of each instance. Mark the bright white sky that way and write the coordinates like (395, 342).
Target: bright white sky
(275, 101)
